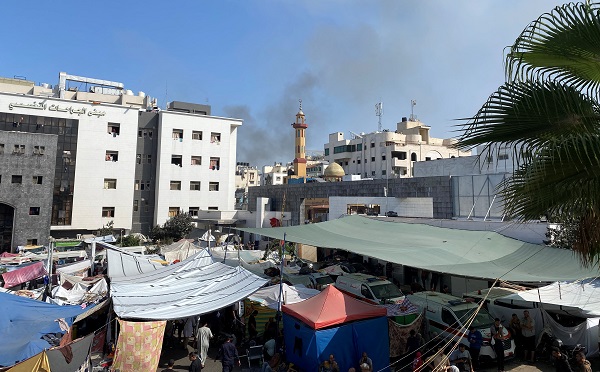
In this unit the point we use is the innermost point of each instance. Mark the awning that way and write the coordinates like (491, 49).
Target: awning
(477, 254)
(185, 289)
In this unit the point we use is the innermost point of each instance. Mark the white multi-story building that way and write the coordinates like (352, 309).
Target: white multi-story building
(275, 174)
(121, 159)
(388, 154)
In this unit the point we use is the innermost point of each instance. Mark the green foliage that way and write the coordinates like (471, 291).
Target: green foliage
(107, 229)
(176, 227)
(548, 112)
(275, 246)
(130, 241)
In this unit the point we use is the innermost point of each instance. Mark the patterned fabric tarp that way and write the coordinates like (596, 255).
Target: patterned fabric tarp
(139, 346)
(399, 334)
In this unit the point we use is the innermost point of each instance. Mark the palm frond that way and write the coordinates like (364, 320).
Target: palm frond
(561, 46)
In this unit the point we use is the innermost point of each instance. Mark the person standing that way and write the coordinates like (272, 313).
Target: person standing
(228, 355)
(188, 330)
(196, 365)
(252, 331)
(203, 341)
(475, 342)
(514, 326)
(461, 358)
(528, 332)
(496, 332)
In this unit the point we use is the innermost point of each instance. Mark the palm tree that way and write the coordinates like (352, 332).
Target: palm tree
(548, 112)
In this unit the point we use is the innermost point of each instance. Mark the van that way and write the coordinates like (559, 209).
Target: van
(448, 317)
(320, 280)
(369, 288)
(314, 280)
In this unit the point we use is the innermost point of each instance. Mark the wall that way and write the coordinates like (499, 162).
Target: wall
(405, 207)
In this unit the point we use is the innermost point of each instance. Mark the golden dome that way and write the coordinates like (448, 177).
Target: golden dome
(334, 170)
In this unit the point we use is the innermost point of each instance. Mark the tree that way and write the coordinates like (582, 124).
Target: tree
(107, 229)
(130, 241)
(548, 112)
(176, 227)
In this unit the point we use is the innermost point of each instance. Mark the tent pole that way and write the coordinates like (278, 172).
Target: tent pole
(541, 306)
(281, 257)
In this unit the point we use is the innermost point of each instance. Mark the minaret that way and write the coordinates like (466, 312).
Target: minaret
(300, 144)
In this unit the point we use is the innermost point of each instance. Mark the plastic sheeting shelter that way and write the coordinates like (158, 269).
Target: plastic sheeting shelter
(192, 287)
(180, 250)
(476, 254)
(122, 263)
(269, 296)
(335, 323)
(24, 322)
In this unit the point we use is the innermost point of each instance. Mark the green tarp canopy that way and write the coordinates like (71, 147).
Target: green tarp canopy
(476, 254)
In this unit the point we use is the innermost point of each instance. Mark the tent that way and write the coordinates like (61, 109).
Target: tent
(192, 287)
(476, 254)
(24, 274)
(269, 296)
(180, 250)
(575, 298)
(25, 321)
(122, 263)
(335, 323)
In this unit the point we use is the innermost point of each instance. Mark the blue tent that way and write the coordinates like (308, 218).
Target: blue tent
(24, 321)
(335, 323)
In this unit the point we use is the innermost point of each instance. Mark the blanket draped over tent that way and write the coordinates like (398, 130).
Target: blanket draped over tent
(477, 254)
(139, 346)
(24, 274)
(188, 288)
(23, 323)
(269, 296)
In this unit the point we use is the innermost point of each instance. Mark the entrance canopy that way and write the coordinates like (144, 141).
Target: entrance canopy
(477, 254)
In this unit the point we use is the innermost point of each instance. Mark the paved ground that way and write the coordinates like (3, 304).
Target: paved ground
(182, 363)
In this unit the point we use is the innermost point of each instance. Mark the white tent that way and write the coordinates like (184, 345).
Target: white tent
(180, 250)
(122, 263)
(192, 287)
(269, 296)
(575, 298)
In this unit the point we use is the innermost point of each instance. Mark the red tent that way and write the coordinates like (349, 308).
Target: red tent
(331, 307)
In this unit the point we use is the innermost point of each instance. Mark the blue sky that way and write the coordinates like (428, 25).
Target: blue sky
(254, 59)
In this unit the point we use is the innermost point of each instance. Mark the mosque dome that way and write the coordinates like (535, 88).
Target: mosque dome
(334, 170)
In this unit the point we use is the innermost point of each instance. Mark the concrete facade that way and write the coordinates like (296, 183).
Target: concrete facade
(27, 167)
(437, 189)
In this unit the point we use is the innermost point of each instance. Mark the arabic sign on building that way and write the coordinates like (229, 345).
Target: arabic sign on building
(70, 109)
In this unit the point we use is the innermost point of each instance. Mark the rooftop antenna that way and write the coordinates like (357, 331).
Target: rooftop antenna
(413, 103)
(379, 112)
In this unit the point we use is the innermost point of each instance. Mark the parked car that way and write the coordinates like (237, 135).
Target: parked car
(391, 214)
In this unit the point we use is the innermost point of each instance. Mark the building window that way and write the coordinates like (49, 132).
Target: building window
(326, 152)
(215, 163)
(372, 173)
(39, 150)
(136, 205)
(112, 156)
(147, 185)
(145, 133)
(383, 172)
(358, 161)
(136, 185)
(197, 135)
(193, 211)
(37, 180)
(213, 186)
(108, 212)
(175, 185)
(177, 160)
(382, 157)
(19, 149)
(114, 129)
(146, 206)
(110, 183)
(196, 160)
(138, 159)
(149, 159)
(372, 158)
(34, 211)
(213, 208)
(1, 149)
(32, 242)
(173, 211)
(215, 137)
(372, 144)
(195, 185)
(178, 134)
(17, 179)
(413, 156)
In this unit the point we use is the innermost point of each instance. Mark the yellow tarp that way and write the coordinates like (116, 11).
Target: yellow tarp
(37, 363)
